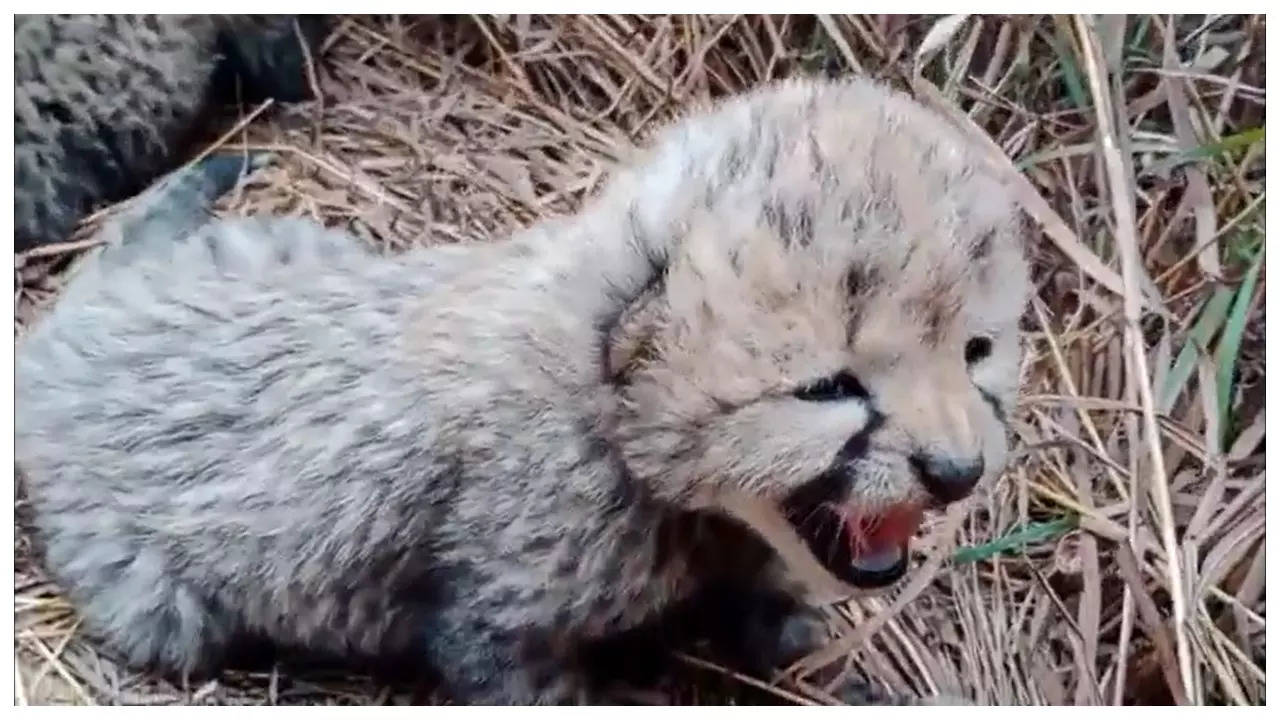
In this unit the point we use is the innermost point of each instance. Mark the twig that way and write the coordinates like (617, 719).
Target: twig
(744, 679)
(833, 31)
(58, 667)
(52, 249)
(313, 79)
(1156, 630)
(1126, 238)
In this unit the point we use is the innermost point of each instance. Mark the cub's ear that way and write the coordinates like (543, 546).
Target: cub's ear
(633, 340)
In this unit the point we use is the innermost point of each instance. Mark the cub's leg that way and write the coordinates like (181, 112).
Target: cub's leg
(129, 599)
(781, 631)
(759, 632)
(482, 663)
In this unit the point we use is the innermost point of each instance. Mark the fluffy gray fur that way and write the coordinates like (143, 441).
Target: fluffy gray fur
(489, 458)
(103, 103)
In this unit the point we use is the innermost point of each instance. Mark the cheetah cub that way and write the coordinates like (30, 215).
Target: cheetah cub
(104, 103)
(494, 460)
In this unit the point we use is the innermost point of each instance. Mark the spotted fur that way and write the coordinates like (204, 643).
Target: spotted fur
(104, 103)
(497, 459)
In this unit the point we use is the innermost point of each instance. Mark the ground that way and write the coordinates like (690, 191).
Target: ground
(1137, 147)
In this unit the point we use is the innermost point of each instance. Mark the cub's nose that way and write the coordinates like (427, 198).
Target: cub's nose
(948, 479)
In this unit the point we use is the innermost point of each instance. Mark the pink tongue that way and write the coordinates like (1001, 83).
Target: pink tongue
(879, 542)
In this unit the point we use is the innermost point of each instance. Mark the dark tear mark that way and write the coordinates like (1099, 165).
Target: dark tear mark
(996, 408)
(832, 485)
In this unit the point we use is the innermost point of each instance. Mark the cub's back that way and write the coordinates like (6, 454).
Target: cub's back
(217, 394)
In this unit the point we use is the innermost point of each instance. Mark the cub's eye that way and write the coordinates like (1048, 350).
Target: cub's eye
(841, 386)
(977, 349)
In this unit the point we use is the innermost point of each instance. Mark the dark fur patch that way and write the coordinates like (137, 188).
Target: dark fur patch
(981, 248)
(270, 61)
(770, 158)
(793, 223)
(735, 261)
(883, 188)
(734, 164)
(737, 624)
(935, 311)
(859, 282)
(626, 492)
(827, 176)
(907, 256)
(633, 224)
(929, 155)
(624, 305)
(860, 279)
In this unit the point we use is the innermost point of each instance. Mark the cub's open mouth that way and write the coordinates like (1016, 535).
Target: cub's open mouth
(865, 548)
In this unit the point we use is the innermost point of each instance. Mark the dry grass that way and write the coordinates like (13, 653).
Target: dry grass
(1120, 559)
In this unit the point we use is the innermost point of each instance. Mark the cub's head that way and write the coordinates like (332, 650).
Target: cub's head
(834, 326)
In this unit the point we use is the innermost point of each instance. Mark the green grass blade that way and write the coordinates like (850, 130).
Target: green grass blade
(1071, 75)
(1242, 139)
(1244, 245)
(1212, 315)
(1031, 533)
(1137, 42)
(1229, 346)
(1208, 151)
